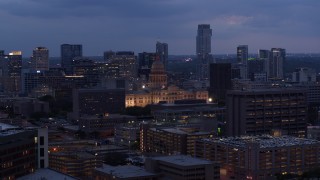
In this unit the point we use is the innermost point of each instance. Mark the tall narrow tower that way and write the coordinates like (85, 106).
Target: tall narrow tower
(277, 57)
(203, 51)
(162, 51)
(242, 58)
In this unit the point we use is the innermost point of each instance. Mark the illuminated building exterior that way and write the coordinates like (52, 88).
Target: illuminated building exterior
(76, 164)
(158, 90)
(260, 157)
(258, 111)
(169, 95)
(40, 59)
(22, 151)
(169, 140)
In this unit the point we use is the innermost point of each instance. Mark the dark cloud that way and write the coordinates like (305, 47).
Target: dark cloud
(137, 25)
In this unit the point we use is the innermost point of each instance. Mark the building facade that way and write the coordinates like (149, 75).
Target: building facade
(260, 157)
(162, 51)
(68, 53)
(40, 59)
(258, 111)
(203, 50)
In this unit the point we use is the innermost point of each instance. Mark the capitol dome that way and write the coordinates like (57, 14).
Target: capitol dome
(157, 67)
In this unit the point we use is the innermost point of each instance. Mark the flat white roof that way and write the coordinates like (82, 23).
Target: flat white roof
(264, 141)
(46, 174)
(183, 160)
(125, 171)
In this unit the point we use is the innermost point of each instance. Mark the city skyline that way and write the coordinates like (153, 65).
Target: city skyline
(137, 25)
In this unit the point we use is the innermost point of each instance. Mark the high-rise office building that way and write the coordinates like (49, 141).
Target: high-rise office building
(242, 58)
(220, 80)
(242, 54)
(68, 53)
(10, 71)
(126, 62)
(145, 63)
(204, 39)
(40, 59)
(162, 51)
(107, 55)
(203, 51)
(277, 57)
(264, 55)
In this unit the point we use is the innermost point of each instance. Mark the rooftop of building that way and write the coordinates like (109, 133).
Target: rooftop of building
(264, 141)
(124, 171)
(183, 160)
(187, 131)
(7, 129)
(106, 116)
(46, 173)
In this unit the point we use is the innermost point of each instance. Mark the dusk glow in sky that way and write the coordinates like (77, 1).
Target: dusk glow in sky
(136, 25)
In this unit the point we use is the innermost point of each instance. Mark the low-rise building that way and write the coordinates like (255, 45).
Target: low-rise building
(260, 157)
(181, 167)
(129, 172)
(170, 140)
(22, 151)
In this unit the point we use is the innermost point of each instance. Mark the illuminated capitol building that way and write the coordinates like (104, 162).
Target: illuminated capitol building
(158, 91)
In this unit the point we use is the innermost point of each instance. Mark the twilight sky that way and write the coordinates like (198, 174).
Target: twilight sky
(136, 25)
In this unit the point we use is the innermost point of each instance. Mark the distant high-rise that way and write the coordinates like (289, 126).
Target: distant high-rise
(203, 51)
(162, 51)
(107, 55)
(145, 63)
(242, 58)
(40, 59)
(277, 57)
(204, 39)
(242, 54)
(265, 56)
(10, 71)
(68, 53)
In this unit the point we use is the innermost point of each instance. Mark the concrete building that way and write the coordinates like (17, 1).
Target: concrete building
(169, 140)
(98, 101)
(260, 157)
(40, 59)
(313, 132)
(203, 50)
(22, 151)
(10, 72)
(145, 63)
(103, 122)
(304, 75)
(127, 134)
(220, 80)
(277, 58)
(242, 58)
(128, 172)
(162, 51)
(74, 163)
(68, 53)
(181, 167)
(258, 111)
